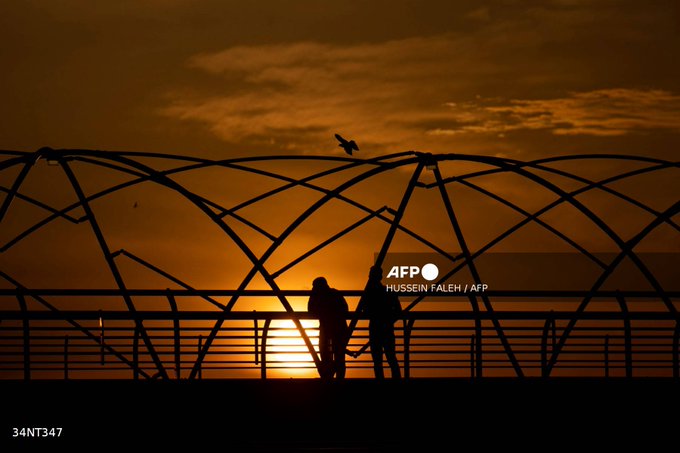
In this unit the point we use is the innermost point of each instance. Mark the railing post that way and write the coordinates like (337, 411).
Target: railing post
(477, 343)
(472, 356)
(263, 359)
(135, 353)
(255, 336)
(554, 333)
(66, 357)
(676, 350)
(479, 361)
(606, 356)
(628, 335)
(547, 328)
(176, 333)
(101, 338)
(408, 327)
(200, 365)
(26, 334)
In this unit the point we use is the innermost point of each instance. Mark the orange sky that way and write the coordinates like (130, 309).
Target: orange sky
(225, 79)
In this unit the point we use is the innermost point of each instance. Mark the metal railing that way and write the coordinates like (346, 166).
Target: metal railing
(626, 335)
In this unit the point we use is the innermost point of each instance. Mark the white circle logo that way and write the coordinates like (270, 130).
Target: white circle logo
(429, 272)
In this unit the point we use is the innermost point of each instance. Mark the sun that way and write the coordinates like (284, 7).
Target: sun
(287, 354)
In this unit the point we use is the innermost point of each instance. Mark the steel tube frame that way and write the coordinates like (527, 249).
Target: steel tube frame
(504, 165)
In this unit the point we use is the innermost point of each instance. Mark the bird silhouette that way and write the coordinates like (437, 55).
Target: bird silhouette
(135, 205)
(348, 146)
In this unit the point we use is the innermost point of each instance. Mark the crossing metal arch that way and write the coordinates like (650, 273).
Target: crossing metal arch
(130, 163)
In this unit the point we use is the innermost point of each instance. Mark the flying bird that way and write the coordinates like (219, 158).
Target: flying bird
(348, 146)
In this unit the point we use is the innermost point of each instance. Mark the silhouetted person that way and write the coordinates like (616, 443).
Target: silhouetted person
(330, 307)
(383, 309)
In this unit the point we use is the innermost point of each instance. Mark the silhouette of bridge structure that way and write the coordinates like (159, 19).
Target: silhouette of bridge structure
(194, 333)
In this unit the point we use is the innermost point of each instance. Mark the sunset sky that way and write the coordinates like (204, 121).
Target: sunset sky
(225, 78)
(221, 79)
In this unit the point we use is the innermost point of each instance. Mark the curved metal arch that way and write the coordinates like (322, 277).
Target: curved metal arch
(233, 164)
(565, 197)
(76, 325)
(204, 200)
(593, 217)
(465, 157)
(20, 159)
(118, 278)
(29, 160)
(532, 217)
(529, 218)
(274, 175)
(626, 251)
(328, 241)
(274, 246)
(303, 182)
(592, 185)
(12, 153)
(118, 168)
(39, 204)
(292, 183)
(477, 279)
(143, 178)
(630, 245)
(540, 222)
(568, 157)
(204, 163)
(323, 201)
(661, 164)
(258, 266)
(501, 163)
(200, 161)
(146, 178)
(164, 274)
(296, 182)
(546, 208)
(551, 159)
(578, 191)
(602, 186)
(335, 194)
(14, 189)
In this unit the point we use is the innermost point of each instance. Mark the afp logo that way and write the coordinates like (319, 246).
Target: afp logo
(429, 272)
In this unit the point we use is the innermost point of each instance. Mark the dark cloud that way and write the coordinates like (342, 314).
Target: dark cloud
(223, 78)
(84, 74)
(610, 112)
